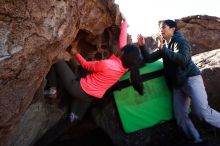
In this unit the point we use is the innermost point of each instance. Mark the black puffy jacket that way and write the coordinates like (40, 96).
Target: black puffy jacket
(177, 60)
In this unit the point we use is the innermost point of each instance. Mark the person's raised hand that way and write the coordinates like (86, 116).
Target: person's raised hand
(156, 37)
(159, 39)
(140, 40)
(73, 51)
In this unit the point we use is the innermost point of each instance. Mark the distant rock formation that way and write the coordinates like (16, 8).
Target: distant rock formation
(203, 32)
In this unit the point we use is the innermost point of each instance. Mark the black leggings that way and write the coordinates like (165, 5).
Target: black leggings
(81, 100)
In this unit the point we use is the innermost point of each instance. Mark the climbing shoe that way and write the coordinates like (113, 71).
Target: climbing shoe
(51, 92)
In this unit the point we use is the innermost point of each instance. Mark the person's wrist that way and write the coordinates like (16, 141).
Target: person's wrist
(73, 52)
(140, 45)
(160, 46)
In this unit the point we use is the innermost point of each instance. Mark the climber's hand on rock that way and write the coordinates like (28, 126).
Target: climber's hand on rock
(73, 51)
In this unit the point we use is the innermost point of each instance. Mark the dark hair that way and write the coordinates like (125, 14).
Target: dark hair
(132, 59)
(169, 23)
(98, 56)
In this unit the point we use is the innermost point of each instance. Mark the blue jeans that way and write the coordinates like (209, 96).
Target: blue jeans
(193, 91)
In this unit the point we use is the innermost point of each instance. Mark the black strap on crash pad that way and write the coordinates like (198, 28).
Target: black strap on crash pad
(145, 77)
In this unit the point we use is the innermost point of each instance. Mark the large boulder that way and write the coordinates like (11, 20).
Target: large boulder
(209, 64)
(32, 34)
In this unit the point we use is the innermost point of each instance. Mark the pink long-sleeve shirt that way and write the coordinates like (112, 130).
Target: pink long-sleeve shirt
(123, 35)
(104, 73)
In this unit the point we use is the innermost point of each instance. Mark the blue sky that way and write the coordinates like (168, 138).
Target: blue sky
(143, 15)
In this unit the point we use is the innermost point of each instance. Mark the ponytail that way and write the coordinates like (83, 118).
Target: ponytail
(132, 59)
(136, 80)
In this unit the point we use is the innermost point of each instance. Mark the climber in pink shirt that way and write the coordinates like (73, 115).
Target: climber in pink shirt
(104, 74)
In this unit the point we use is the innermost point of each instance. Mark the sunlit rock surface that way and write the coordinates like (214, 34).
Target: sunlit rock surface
(32, 34)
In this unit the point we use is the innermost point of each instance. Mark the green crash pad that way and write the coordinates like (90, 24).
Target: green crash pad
(137, 112)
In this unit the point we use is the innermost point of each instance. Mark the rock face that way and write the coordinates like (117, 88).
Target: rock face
(32, 34)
